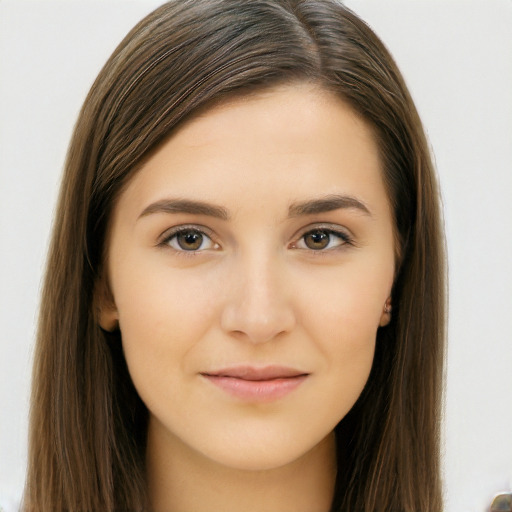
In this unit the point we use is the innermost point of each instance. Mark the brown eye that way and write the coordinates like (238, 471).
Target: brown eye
(317, 240)
(322, 239)
(190, 240)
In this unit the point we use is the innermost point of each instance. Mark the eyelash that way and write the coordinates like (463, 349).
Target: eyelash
(343, 236)
(179, 230)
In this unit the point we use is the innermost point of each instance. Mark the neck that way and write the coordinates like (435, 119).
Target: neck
(180, 479)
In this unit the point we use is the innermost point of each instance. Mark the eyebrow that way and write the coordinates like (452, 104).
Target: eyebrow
(327, 204)
(186, 206)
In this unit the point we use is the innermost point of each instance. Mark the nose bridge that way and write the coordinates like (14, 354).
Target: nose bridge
(259, 305)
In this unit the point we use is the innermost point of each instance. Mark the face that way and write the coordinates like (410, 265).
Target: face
(249, 262)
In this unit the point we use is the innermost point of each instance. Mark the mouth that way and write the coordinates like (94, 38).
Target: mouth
(257, 384)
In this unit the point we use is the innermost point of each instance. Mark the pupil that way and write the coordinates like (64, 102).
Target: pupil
(317, 240)
(190, 241)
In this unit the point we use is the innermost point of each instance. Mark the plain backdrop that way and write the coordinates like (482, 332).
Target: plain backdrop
(456, 57)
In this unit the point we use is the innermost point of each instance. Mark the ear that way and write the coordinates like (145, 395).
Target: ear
(385, 317)
(105, 307)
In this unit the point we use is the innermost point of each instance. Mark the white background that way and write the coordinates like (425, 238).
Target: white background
(456, 57)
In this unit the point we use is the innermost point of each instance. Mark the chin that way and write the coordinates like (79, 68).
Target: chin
(264, 453)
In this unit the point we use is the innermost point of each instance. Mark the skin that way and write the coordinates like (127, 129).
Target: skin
(254, 292)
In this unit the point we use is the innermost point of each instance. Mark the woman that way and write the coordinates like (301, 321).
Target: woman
(244, 297)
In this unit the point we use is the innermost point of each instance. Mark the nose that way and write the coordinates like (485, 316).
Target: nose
(259, 305)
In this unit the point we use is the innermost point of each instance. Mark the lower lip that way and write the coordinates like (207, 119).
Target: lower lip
(257, 390)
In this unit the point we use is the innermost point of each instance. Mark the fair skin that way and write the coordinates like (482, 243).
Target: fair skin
(249, 262)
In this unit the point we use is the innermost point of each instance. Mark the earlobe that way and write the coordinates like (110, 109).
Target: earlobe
(105, 307)
(108, 319)
(385, 317)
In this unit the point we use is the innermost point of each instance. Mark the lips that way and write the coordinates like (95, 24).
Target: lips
(251, 373)
(257, 384)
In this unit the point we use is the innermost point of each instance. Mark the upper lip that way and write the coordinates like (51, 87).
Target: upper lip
(254, 373)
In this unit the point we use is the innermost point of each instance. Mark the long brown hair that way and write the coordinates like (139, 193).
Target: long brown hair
(88, 425)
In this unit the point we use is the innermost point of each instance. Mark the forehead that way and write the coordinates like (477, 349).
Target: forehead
(298, 139)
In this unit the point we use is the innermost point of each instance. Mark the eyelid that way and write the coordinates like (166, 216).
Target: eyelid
(342, 232)
(164, 238)
(335, 229)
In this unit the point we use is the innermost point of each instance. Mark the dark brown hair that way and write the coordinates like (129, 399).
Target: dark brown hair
(88, 425)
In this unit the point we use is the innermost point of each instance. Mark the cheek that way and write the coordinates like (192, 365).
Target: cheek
(156, 298)
(348, 346)
(343, 317)
(161, 317)
(348, 303)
